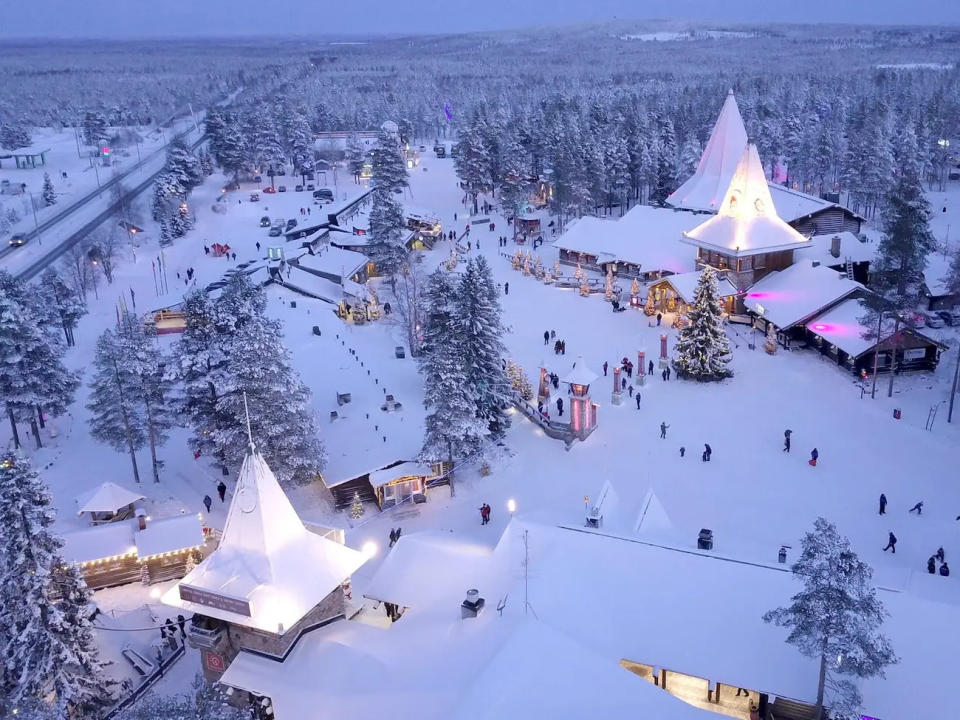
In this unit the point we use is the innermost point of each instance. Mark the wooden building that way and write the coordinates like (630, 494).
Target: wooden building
(675, 293)
(389, 485)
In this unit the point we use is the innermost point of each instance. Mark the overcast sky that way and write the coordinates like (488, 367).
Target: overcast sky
(181, 18)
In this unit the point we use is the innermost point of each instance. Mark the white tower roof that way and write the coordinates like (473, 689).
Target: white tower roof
(269, 570)
(106, 497)
(747, 222)
(704, 189)
(580, 374)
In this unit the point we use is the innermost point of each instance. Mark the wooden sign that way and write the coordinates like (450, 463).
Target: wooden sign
(240, 606)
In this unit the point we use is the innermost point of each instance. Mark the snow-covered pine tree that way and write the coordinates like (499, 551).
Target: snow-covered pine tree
(480, 334)
(356, 507)
(69, 307)
(33, 378)
(836, 618)
(690, 156)
(453, 427)
(387, 230)
(231, 152)
(49, 652)
(183, 166)
(389, 169)
(281, 417)
(268, 155)
(210, 702)
(703, 349)
(356, 157)
(145, 361)
(95, 130)
(667, 161)
(515, 188)
(48, 195)
(196, 364)
(13, 137)
(116, 415)
(206, 163)
(215, 125)
(180, 220)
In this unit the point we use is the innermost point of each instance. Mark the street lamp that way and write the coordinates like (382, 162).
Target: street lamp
(511, 506)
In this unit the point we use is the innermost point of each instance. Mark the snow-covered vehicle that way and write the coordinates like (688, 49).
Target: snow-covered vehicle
(254, 197)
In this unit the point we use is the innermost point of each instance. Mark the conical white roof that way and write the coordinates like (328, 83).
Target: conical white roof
(704, 189)
(266, 559)
(747, 222)
(106, 497)
(580, 374)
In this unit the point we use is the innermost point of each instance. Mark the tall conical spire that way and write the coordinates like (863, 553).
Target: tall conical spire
(704, 189)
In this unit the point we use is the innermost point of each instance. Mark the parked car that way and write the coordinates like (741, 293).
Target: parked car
(311, 187)
(18, 239)
(265, 221)
(324, 193)
(933, 320)
(254, 197)
(257, 179)
(298, 188)
(281, 188)
(950, 317)
(291, 223)
(281, 170)
(275, 231)
(423, 148)
(270, 190)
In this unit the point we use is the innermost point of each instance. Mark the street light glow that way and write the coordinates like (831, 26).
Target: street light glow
(369, 549)
(512, 505)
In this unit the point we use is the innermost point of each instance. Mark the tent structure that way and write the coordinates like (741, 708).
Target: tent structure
(705, 189)
(107, 499)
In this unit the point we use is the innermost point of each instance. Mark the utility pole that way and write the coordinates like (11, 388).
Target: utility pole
(876, 357)
(893, 361)
(953, 389)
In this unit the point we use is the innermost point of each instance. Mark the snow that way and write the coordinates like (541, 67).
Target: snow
(747, 221)
(705, 189)
(267, 557)
(106, 497)
(99, 542)
(686, 285)
(787, 297)
(851, 249)
(387, 475)
(794, 204)
(646, 236)
(579, 374)
(333, 261)
(168, 535)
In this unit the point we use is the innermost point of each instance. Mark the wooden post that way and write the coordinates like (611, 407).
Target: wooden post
(663, 678)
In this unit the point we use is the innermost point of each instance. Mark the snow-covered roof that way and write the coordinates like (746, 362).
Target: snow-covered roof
(387, 475)
(850, 249)
(747, 222)
(793, 204)
(168, 535)
(646, 236)
(704, 190)
(686, 285)
(333, 260)
(580, 374)
(841, 326)
(99, 542)
(106, 497)
(790, 296)
(266, 558)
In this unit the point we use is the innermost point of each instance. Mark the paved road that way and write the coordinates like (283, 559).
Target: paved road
(77, 235)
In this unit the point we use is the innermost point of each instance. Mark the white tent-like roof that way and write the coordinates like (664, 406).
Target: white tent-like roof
(269, 570)
(580, 374)
(747, 222)
(106, 497)
(705, 188)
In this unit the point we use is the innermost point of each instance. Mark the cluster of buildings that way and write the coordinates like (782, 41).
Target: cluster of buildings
(791, 260)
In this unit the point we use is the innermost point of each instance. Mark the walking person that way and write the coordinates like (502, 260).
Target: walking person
(630, 390)
(814, 456)
(650, 368)
(221, 490)
(786, 440)
(944, 570)
(663, 430)
(638, 400)
(939, 555)
(891, 543)
(667, 370)
(707, 451)
(393, 537)
(506, 288)
(932, 565)
(883, 504)
(683, 451)
(560, 406)
(604, 368)
(663, 375)
(546, 337)
(918, 508)
(207, 502)
(659, 318)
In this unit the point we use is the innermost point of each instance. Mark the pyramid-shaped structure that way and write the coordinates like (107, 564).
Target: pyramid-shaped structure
(746, 222)
(704, 189)
(269, 570)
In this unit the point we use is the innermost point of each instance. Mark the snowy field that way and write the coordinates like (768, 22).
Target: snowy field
(752, 495)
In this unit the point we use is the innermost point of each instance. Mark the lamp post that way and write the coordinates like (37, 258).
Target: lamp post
(511, 506)
(36, 225)
(893, 360)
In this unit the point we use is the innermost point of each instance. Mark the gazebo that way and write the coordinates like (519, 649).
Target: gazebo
(107, 502)
(583, 411)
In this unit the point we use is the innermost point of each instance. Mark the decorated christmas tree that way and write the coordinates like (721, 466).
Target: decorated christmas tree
(519, 381)
(703, 349)
(356, 507)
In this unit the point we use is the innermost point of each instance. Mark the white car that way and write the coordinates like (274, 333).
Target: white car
(933, 321)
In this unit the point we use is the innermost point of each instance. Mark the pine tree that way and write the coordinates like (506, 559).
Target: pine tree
(478, 326)
(68, 305)
(690, 156)
(49, 650)
(453, 427)
(95, 131)
(215, 125)
(703, 349)
(182, 166)
(49, 196)
(356, 157)
(231, 152)
(836, 618)
(515, 189)
(389, 169)
(14, 137)
(356, 507)
(33, 378)
(267, 149)
(387, 230)
(116, 415)
(206, 163)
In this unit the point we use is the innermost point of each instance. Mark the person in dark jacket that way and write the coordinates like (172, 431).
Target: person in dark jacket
(207, 502)
(786, 440)
(663, 430)
(883, 504)
(932, 565)
(638, 400)
(506, 288)
(605, 366)
(814, 455)
(683, 451)
(707, 452)
(546, 337)
(944, 570)
(560, 406)
(393, 537)
(891, 543)
(939, 554)
(650, 368)
(221, 490)
(918, 508)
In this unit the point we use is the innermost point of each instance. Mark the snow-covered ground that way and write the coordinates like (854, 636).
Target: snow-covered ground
(752, 495)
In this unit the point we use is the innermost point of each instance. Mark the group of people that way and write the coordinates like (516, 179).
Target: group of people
(937, 557)
(560, 347)
(484, 514)
(221, 493)
(394, 536)
(305, 211)
(502, 241)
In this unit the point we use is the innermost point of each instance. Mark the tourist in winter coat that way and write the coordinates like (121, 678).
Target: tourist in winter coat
(944, 570)
(546, 337)
(560, 406)
(939, 554)
(506, 288)
(786, 440)
(932, 565)
(707, 451)
(221, 490)
(638, 401)
(814, 455)
(650, 368)
(891, 543)
(918, 508)
(207, 502)
(663, 430)
(605, 368)
(883, 504)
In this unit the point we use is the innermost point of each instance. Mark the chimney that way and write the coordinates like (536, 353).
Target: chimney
(472, 606)
(141, 515)
(835, 246)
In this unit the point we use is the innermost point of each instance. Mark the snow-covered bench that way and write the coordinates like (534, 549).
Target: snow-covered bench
(142, 665)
